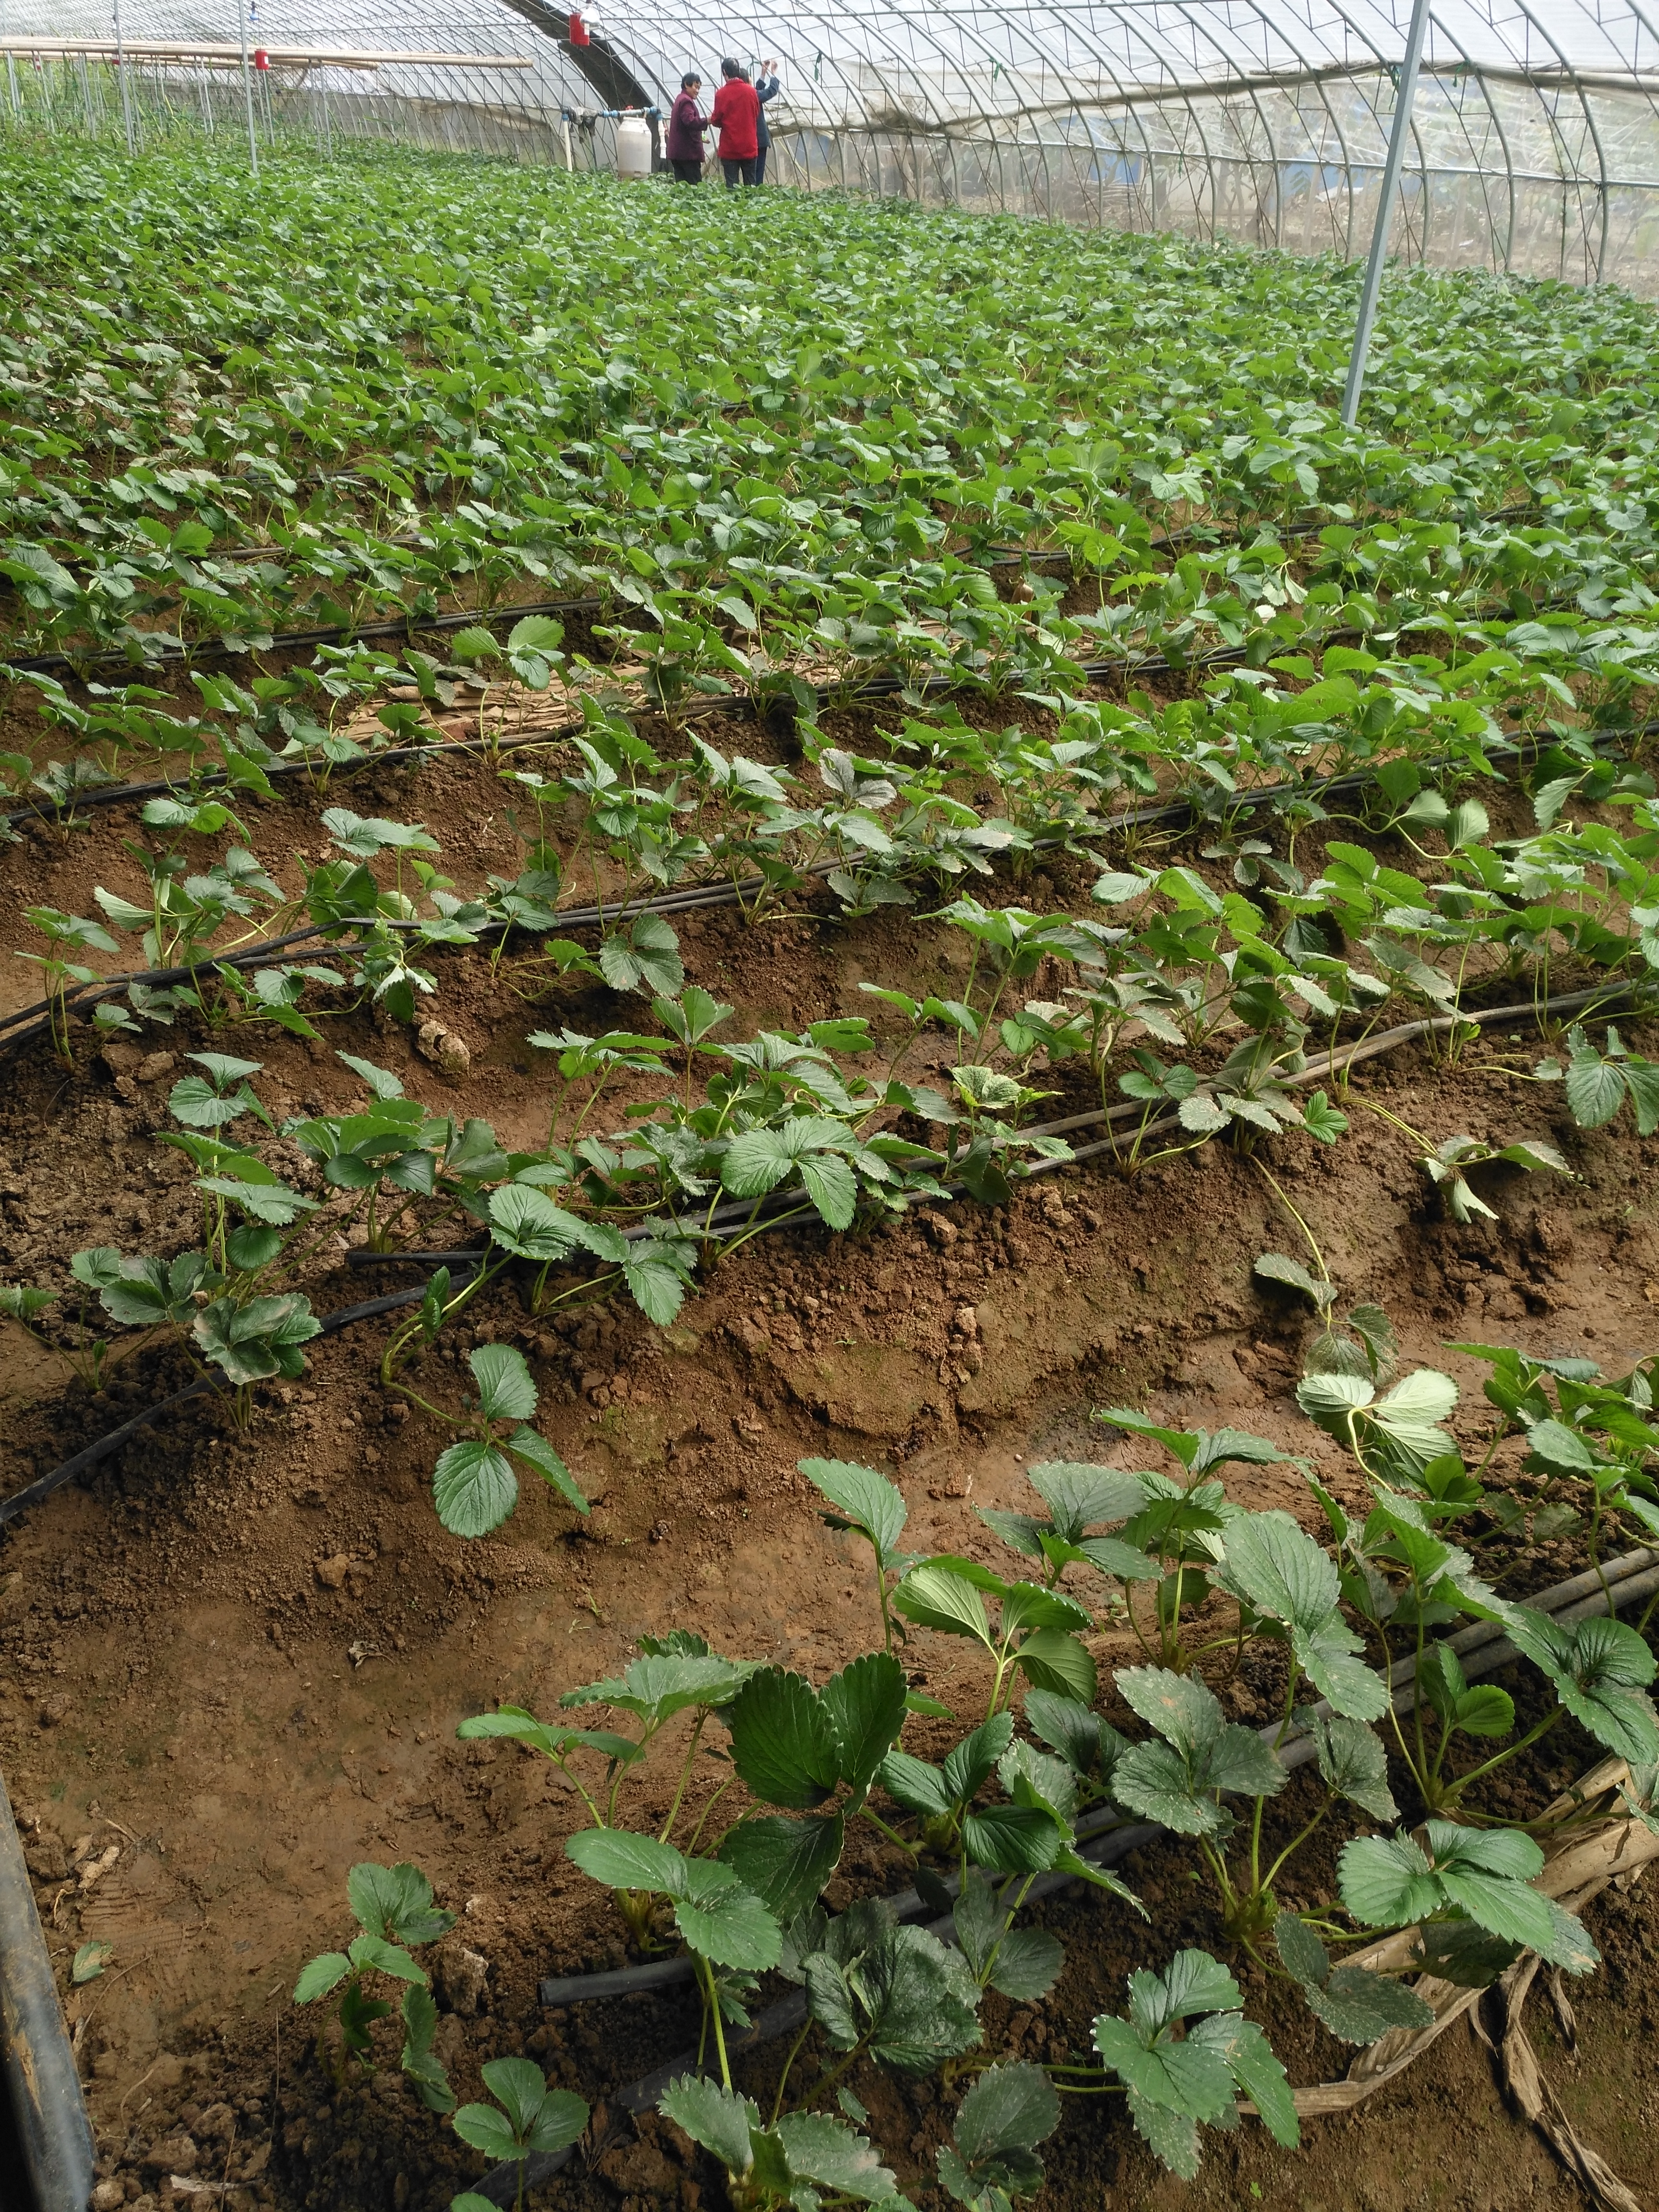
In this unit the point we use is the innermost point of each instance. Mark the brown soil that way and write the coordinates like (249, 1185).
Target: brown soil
(240, 1661)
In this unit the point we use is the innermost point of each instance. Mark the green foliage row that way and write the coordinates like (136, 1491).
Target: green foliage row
(1369, 1677)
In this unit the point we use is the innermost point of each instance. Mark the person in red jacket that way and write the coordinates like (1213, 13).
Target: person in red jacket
(736, 116)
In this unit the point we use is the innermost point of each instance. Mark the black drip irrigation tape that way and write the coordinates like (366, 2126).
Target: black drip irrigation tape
(124, 794)
(1104, 1841)
(112, 987)
(51, 2135)
(1619, 997)
(51, 2113)
(786, 1209)
(1483, 1648)
(790, 1206)
(411, 626)
(35, 1492)
(174, 650)
(693, 898)
(827, 694)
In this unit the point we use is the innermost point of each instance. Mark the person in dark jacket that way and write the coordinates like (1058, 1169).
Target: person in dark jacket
(736, 116)
(766, 88)
(686, 125)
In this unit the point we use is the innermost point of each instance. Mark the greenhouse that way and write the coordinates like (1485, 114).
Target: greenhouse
(828, 1107)
(1533, 139)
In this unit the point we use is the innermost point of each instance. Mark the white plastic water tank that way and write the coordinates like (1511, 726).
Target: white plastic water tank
(632, 147)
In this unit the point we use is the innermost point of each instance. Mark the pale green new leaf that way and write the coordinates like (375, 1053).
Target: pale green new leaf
(825, 2150)
(1387, 1883)
(622, 1859)
(525, 1445)
(724, 1921)
(935, 1597)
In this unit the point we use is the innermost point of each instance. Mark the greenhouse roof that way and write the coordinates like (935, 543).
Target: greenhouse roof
(946, 58)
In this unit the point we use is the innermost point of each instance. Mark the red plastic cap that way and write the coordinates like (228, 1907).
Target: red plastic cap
(579, 31)
(261, 59)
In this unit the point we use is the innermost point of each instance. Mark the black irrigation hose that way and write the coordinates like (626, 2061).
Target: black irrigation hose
(123, 794)
(1484, 1647)
(176, 650)
(56, 2133)
(787, 1208)
(112, 987)
(360, 1258)
(48, 2112)
(172, 650)
(827, 694)
(1614, 996)
(415, 626)
(691, 899)
(42, 1488)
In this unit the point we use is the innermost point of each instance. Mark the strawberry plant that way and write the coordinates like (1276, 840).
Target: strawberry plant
(1594, 1443)
(23, 1302)
(475, 1483)
(65, 934)
(676, 1674)
(1598, 1082)
(866, 1503)
(762, 503)
(527, 2117)
(394, 1911)
(1175, 2076)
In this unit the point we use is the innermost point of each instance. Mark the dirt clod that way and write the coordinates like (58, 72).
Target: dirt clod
(443, 1047)
(458, 1978)
(174, 2154)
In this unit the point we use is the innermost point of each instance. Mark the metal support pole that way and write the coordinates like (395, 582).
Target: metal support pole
(328, 127)
(1391, 167)
(247, 91)
(126, 90)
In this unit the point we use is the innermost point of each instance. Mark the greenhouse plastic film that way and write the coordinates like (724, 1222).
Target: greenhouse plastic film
(1533, 144)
